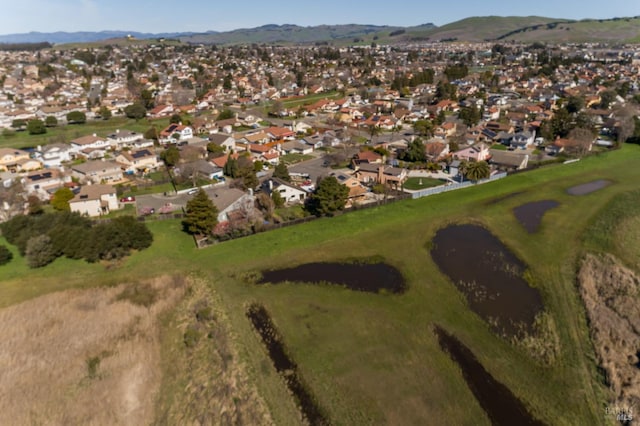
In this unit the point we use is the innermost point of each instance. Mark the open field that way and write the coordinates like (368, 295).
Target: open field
(306, 100)
(66, 133)
(372, 358)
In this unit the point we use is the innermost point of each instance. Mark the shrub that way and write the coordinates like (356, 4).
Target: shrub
(40, 251)
(5, 255)
(191, 337)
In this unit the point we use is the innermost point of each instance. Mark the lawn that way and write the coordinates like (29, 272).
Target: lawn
(372, 359)
(416, 183)
(295, 158)
(306, 100)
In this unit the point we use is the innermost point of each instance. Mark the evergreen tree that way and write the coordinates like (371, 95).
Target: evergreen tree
(330, 196)
(282, 172)
(201, 215)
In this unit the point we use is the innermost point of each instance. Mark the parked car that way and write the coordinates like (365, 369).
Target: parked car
(193, 191)
(127, 199)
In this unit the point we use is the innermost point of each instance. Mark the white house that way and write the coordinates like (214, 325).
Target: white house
(290, 193)
(139, 161)
(523, 140)
(124, 138)
(55, 154)
(95, 200)
(223, 140)
(90, 142)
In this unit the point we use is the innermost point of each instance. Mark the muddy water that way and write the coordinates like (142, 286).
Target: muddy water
(589, 187)
(502, 406)
(372, 277)
(530, 215)
(489, 276)
(284, 365)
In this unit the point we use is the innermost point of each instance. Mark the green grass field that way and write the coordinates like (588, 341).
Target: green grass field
(69, 132)
(372, 359)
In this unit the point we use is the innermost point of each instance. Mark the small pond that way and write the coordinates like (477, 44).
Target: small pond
(489, 276)
(368, 277)
(589, 187)
(500, 404)
(530, 215)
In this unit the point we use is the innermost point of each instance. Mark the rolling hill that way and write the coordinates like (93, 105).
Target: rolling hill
(476, 29)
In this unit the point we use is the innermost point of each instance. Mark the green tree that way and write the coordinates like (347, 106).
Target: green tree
(329, 197)
(19, 124)
(470, 115)
(201, 215)
(575, 104)
(151, 133)
(5, 255)
(423, 127)
(146, 99)
(61, 198)
(105, 113)
(231, 168)
(282, 172)
(36, 127)
(225, 114)
(175, 119)
(606, 98)
(51, 121)
(40, 251)
(415, 152)
(136, 111)
(170, 156)
(278, 201)
(476, 170)
(247, 173)
(76, 117)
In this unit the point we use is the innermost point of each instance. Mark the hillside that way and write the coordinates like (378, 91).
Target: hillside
(476, 28)
(291, 34)
(624, 30)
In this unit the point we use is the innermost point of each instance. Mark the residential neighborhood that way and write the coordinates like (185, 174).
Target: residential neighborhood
(367, 114)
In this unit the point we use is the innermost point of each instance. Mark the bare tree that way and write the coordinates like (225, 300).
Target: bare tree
(584, 138)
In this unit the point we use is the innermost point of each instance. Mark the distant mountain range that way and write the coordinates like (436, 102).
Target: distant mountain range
(476, 29)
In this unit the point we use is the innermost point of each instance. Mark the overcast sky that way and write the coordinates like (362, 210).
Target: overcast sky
(156, 16)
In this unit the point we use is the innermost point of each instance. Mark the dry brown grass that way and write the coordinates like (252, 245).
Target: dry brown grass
(206, 383)
(83, 357)
(611, 293)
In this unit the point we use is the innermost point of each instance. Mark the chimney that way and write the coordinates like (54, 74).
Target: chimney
(270, 185)
(95, 135)
(380, 174)
(117, 130)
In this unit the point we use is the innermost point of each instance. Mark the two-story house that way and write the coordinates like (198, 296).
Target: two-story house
(95, 200)
(123, 138)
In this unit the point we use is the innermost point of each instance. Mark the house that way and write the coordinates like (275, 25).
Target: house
(175, 132)
(523, 140)
(229, 200)
(121, 139)
(88, 143)
(281, 133)
(161, 111)
(315, 141)
(97, 171)
(139, 161)
(436, 151)
(356, 189)
(507, 160)
(370, 157)
(379, 173)
(13, 160)
(202, 168)
(95, 200)
(54, 155)
(478, 152)
(296, 147)
(43, 183)
(272, 157)
(223, 140)
(289, 192)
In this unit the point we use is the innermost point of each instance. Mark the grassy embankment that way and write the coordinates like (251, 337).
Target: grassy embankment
(373, 358)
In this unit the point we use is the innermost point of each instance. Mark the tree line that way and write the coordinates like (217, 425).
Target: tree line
(42, 238)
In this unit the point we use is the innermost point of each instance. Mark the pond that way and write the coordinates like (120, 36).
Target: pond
(285, 366)
(530, 215)
(489, 276)
(367, 277)
(500, 404)
(589, 187)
